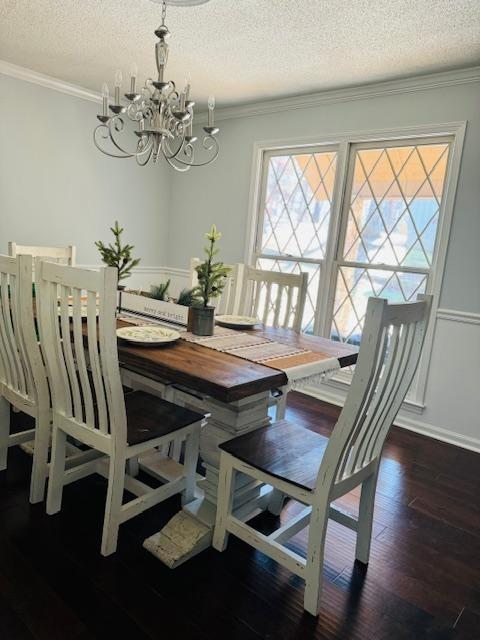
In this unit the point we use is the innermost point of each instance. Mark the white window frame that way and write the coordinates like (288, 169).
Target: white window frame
(342, 143)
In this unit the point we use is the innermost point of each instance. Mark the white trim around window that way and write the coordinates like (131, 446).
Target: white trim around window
(342, 143)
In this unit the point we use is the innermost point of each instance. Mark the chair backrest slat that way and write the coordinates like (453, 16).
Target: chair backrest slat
(94, 358)
(21, 363)
(68, 355)
(11, 349)
(87, 390)
(391, 346)
(88, 415)
(65, 255)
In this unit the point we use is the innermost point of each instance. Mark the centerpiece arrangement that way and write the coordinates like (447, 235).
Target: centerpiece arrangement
(192, 307)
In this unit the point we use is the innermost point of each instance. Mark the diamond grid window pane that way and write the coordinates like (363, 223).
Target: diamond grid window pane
(313, 270)
(394, 205)
(356, 284)
(298, 202)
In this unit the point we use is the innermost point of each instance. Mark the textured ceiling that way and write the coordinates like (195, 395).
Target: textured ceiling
(243, 50)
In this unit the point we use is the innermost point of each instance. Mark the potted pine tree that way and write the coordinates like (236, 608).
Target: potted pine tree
(211, 282)
(118, 255)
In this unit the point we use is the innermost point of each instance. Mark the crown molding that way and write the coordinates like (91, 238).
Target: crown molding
(362, 92)
(28, 75)
(307, 101)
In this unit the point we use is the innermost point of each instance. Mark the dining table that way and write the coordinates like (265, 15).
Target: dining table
(236, 394)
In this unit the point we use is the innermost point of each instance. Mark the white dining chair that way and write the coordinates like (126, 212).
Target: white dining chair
(229, 300)
(315, 470)
(278, 300)
(89, 404)
(23, 382)
(63, 255)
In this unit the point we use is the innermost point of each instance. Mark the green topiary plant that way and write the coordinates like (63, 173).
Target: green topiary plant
(160, 291)
(186, 297)
(116, 255)
(211, 275)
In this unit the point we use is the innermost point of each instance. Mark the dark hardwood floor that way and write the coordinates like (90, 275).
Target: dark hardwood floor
(423, 580)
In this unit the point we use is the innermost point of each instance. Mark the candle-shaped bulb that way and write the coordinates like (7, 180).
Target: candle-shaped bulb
(188, 80)
(211, 107)
(105, 91)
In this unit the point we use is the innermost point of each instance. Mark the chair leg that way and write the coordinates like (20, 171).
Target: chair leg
(111, 522)
(281, 407)
(226, 479)
(40, 458)
(57, 471)
(133, 468)
(4, 431)
(365, 519)
(276, 502)
(192, 446)
(315, 556)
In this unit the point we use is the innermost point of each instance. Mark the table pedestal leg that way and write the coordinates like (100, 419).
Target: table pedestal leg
(191, 530)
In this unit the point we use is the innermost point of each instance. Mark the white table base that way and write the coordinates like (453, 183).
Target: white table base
(190, 531)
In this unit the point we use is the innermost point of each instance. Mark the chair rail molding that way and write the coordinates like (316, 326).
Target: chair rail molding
(454, 315)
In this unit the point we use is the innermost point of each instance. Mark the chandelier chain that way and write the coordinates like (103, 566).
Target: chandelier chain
(164, 11)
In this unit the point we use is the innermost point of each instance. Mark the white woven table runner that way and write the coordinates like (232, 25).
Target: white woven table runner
(255, 348)
(250, 346)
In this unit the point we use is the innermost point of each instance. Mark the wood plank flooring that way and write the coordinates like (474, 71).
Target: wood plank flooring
(423, 580)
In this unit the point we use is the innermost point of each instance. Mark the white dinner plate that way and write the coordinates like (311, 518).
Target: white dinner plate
(237, 322)
(149, 335)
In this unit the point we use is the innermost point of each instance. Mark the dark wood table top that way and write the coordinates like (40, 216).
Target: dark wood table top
(222, 375)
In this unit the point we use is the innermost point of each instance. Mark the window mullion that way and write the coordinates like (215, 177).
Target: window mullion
(328, 276)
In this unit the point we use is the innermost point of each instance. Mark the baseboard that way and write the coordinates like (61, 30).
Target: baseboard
(330, 395)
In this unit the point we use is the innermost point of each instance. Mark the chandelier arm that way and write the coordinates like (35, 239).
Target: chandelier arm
(107, 137)
(208, 148)
(166, 145)
(127, 153)
(176, 167)
(147, 160)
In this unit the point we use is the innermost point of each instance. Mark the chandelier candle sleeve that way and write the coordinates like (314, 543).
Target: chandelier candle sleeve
(118, 86)
(162, 118)
(211, 107)
(105, 94)
(133, 77)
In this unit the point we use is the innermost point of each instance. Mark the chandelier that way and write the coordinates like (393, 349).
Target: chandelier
(157, 121)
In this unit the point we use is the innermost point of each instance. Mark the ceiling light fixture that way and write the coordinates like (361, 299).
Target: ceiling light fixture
(163, 115)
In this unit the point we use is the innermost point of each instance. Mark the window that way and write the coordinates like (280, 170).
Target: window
(361, 218)
(295, 217)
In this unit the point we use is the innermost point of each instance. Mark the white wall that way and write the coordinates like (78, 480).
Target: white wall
(56, 188)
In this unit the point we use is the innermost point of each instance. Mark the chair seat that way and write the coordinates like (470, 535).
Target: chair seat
(150, 417)
(284, 450)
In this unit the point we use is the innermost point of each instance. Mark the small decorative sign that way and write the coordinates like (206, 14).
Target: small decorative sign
(168, 311)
